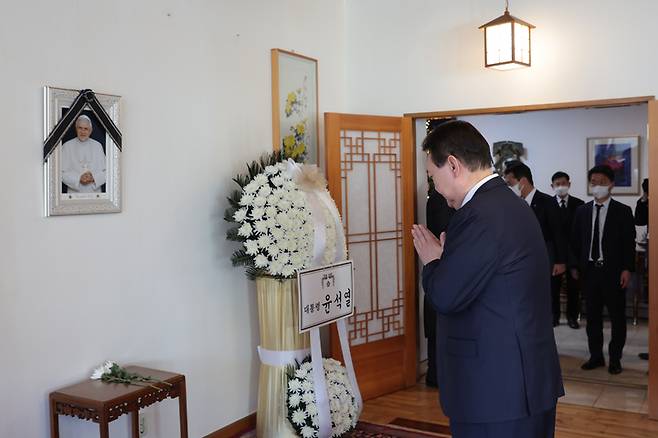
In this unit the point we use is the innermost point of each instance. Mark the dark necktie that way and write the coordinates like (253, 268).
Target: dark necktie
(563, 204)
(596, 250)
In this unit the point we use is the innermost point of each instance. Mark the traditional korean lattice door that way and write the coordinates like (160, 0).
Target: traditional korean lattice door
(370, 169)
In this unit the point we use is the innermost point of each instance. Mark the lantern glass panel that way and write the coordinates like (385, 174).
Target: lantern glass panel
(499, 43)
(521, 43)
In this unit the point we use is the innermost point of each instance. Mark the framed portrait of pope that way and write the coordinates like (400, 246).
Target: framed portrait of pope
(82, 173)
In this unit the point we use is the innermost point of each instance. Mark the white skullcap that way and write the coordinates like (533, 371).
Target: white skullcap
(84, 117)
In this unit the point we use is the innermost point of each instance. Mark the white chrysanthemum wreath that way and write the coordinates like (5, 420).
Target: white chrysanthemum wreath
(273, 219)
(302, 410)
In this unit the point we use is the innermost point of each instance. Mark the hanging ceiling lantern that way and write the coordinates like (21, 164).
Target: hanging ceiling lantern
(506, 42)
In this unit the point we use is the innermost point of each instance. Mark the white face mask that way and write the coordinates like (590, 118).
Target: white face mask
(561, 190)
(516, 189)
(600, 192)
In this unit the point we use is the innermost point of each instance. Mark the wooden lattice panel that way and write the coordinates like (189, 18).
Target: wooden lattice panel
(372, 216)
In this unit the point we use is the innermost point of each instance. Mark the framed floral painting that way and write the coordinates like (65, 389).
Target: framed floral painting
(622, 154)
(295, 105)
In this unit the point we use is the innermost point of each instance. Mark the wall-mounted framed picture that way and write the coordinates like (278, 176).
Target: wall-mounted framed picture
(82, 172)
(295, 105)
(622, 154)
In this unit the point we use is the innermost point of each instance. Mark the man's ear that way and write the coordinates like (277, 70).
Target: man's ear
(454, 163)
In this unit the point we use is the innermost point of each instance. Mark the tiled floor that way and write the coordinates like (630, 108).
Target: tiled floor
(597, 388)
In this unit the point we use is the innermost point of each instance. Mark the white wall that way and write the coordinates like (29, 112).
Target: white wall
(426, 55)
(152, 285)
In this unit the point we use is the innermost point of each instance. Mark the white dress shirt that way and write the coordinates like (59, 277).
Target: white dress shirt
(602, 215)
(470, 193)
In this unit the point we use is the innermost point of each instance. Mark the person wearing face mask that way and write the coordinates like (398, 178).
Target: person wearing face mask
(519, 178)
(603, 239)
(566, 205)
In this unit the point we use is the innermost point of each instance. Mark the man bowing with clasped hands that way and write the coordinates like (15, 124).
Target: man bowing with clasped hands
(488, 279)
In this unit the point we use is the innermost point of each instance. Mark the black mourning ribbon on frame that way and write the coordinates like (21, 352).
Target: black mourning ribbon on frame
(86, 97)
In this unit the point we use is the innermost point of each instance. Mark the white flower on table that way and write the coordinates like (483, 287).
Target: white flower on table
(103, 369)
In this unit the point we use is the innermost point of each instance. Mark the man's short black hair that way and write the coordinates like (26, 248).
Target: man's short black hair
(461, 140)
(519, 171)
(559, 174)
(645, 185)
(601, 169)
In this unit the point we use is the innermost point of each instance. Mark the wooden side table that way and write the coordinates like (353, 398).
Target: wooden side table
(103, 403)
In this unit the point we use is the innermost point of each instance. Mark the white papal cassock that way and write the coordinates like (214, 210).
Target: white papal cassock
(79, 157)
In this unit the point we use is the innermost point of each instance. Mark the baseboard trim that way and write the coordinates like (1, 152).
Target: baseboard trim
(236, 428)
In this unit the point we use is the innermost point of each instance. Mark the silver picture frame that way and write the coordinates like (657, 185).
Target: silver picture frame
(58, 201)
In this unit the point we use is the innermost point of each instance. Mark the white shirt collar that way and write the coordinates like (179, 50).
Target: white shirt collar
(531, 195)
(605, 204)
(471, 193)
(559, 200)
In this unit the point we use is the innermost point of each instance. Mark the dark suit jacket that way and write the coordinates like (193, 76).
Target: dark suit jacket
(567, 216)
(618, 244)
(497, 359)
(547, 214)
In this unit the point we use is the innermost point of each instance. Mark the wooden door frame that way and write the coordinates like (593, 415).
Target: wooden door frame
(652, 144)
(408, 173)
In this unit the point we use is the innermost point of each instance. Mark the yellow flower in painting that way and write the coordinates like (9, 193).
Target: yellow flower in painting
(292, 98)
(288, 141)
(299, 149)
(300, 129)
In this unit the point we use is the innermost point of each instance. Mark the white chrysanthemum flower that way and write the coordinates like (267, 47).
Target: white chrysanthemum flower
(261, 227)
(308, 397)
(287, 271)
(261, 180)
(294, 385)
(276, 267)
(296, 260)
(309, 432)
(278, 181)
(264, 241)
(257, 213)
(308, 366)
(260, 201)
(261, 261)
(252, 187)
(284, 205)
(283, 258)
(299, 417)
(301, 373)
(294, 400)
(240, 215)
(307, 385)
(251, 247)
(245, 230)
(265, 191)
(273, 250)
(271, 170)
(103, 369)
(312, 409)
(246, 200)
(270, 212)
(282, 166)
